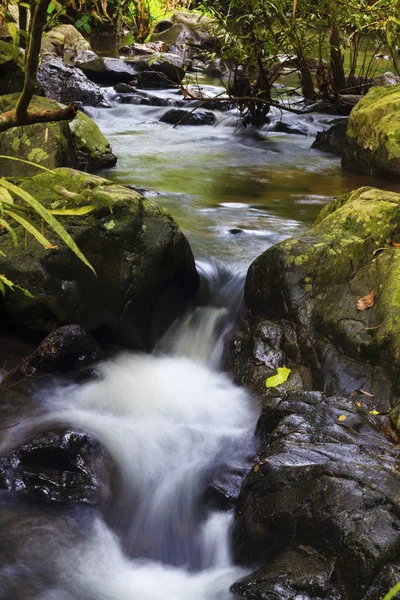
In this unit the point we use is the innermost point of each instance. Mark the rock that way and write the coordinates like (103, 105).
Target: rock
(139, 49)
(140, 256)
(77, 143)
(68, 347)
(282, 127)
(69, 84)
(159, 70)
(179, 116)
(372, 142)
(11, 68)
(320, 508)
(186, 31)
(124, 88)
(333, 139)
(108, 71)
(66, 42)
(216, 68)
(314, 283)
(60, 466)
(385, 79)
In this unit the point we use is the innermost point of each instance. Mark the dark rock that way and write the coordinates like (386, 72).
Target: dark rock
(282, 127)
(124, 88)
(108, 71)
(12, 69)
(216, 68)
(158, 70)
(69, 84)
(325, 484)
(236, 230)
(66, 348)
(88, 376)
(163, 25)
(77, 143)
(333, 139)
(140, 256)
(59, 466)
(315, 281)
(184, 117)
(223, 491)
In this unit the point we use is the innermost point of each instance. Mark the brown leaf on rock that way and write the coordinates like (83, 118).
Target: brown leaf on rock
(395, 245)
(366, 302)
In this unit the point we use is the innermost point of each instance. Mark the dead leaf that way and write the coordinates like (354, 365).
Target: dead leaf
(378, 250)
(366, 393)
(342, 418)
(366, 302)
(46, 135)
(256, 468)
(395, 245)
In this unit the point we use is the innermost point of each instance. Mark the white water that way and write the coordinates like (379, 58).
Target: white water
(171, 425)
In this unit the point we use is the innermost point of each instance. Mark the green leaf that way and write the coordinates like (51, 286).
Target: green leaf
(31, 229)
(13, 31)
(48, 217)
(374, 412)
(81, 210)
(281, 377)
(4, 281)
(27, 162)
(391, 594)
(10, 230)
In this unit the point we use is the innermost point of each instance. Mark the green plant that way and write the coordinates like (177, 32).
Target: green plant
(18, 206)
(392, 593)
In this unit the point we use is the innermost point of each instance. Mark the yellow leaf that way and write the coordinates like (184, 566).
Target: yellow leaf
(281, 377)
(342, 418)
(374, 412)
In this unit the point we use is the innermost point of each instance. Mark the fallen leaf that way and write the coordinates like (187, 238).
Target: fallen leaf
(342, 418)
(395, 245)
(281, 377)
(366, 393)
(256, 468)
(366, 302)
(374, 412)
(359, 404)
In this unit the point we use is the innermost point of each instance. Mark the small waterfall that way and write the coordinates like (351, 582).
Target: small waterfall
(170, 423)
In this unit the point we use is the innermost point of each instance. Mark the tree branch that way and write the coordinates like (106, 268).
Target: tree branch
(10, 119)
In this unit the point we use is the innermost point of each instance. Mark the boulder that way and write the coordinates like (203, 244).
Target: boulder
(67, 42)
(186, 31)
(308, 289)
(108, 71)
(77, 143)
(372, 143)
(11, 68)
(60, 466)
(69, 84)
(158, 70)
(385, 79)
(142, 260)
(332, 139)
(179, 116)
(320, 508)
(68, 347)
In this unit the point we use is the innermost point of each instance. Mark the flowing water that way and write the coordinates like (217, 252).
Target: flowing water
(171, 422)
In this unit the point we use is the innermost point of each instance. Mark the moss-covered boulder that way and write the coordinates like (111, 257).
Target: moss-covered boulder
(186, 31)
(143, 262)
(68, 43)
(78, 143)
(372, 143)
(11, 68)
(311, 286)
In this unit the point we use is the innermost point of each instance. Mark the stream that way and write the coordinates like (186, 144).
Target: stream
(172, 423)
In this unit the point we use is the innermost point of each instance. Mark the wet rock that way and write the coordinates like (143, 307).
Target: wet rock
(386, 79)
(140, 256)
(315, 281)
(77, 143)
(236, 230)
(68, 347)
(333, 139)
(107, 71)
(66, 42)
(372, 145)
(69, 84)
(124, 88)
(11, 68)
(158, 70)
(177, 116)
(223, 491)
(143, 49)
(59, 466)
(325, 485)
(282, 127)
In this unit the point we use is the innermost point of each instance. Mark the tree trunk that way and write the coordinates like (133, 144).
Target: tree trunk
(337, 59)
(307, 83)
(23, 25)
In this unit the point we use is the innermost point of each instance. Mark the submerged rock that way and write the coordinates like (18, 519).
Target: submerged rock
(141, 258)
(77, 143)
(69, 84)
(320, 508)
(178, 116)
(59, 466)
(372, 142)
(314, 282)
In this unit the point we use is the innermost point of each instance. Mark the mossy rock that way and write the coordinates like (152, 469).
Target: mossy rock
(11, 68)
(315, 281)
(137, 250)
(373, 135)
(77, 143)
